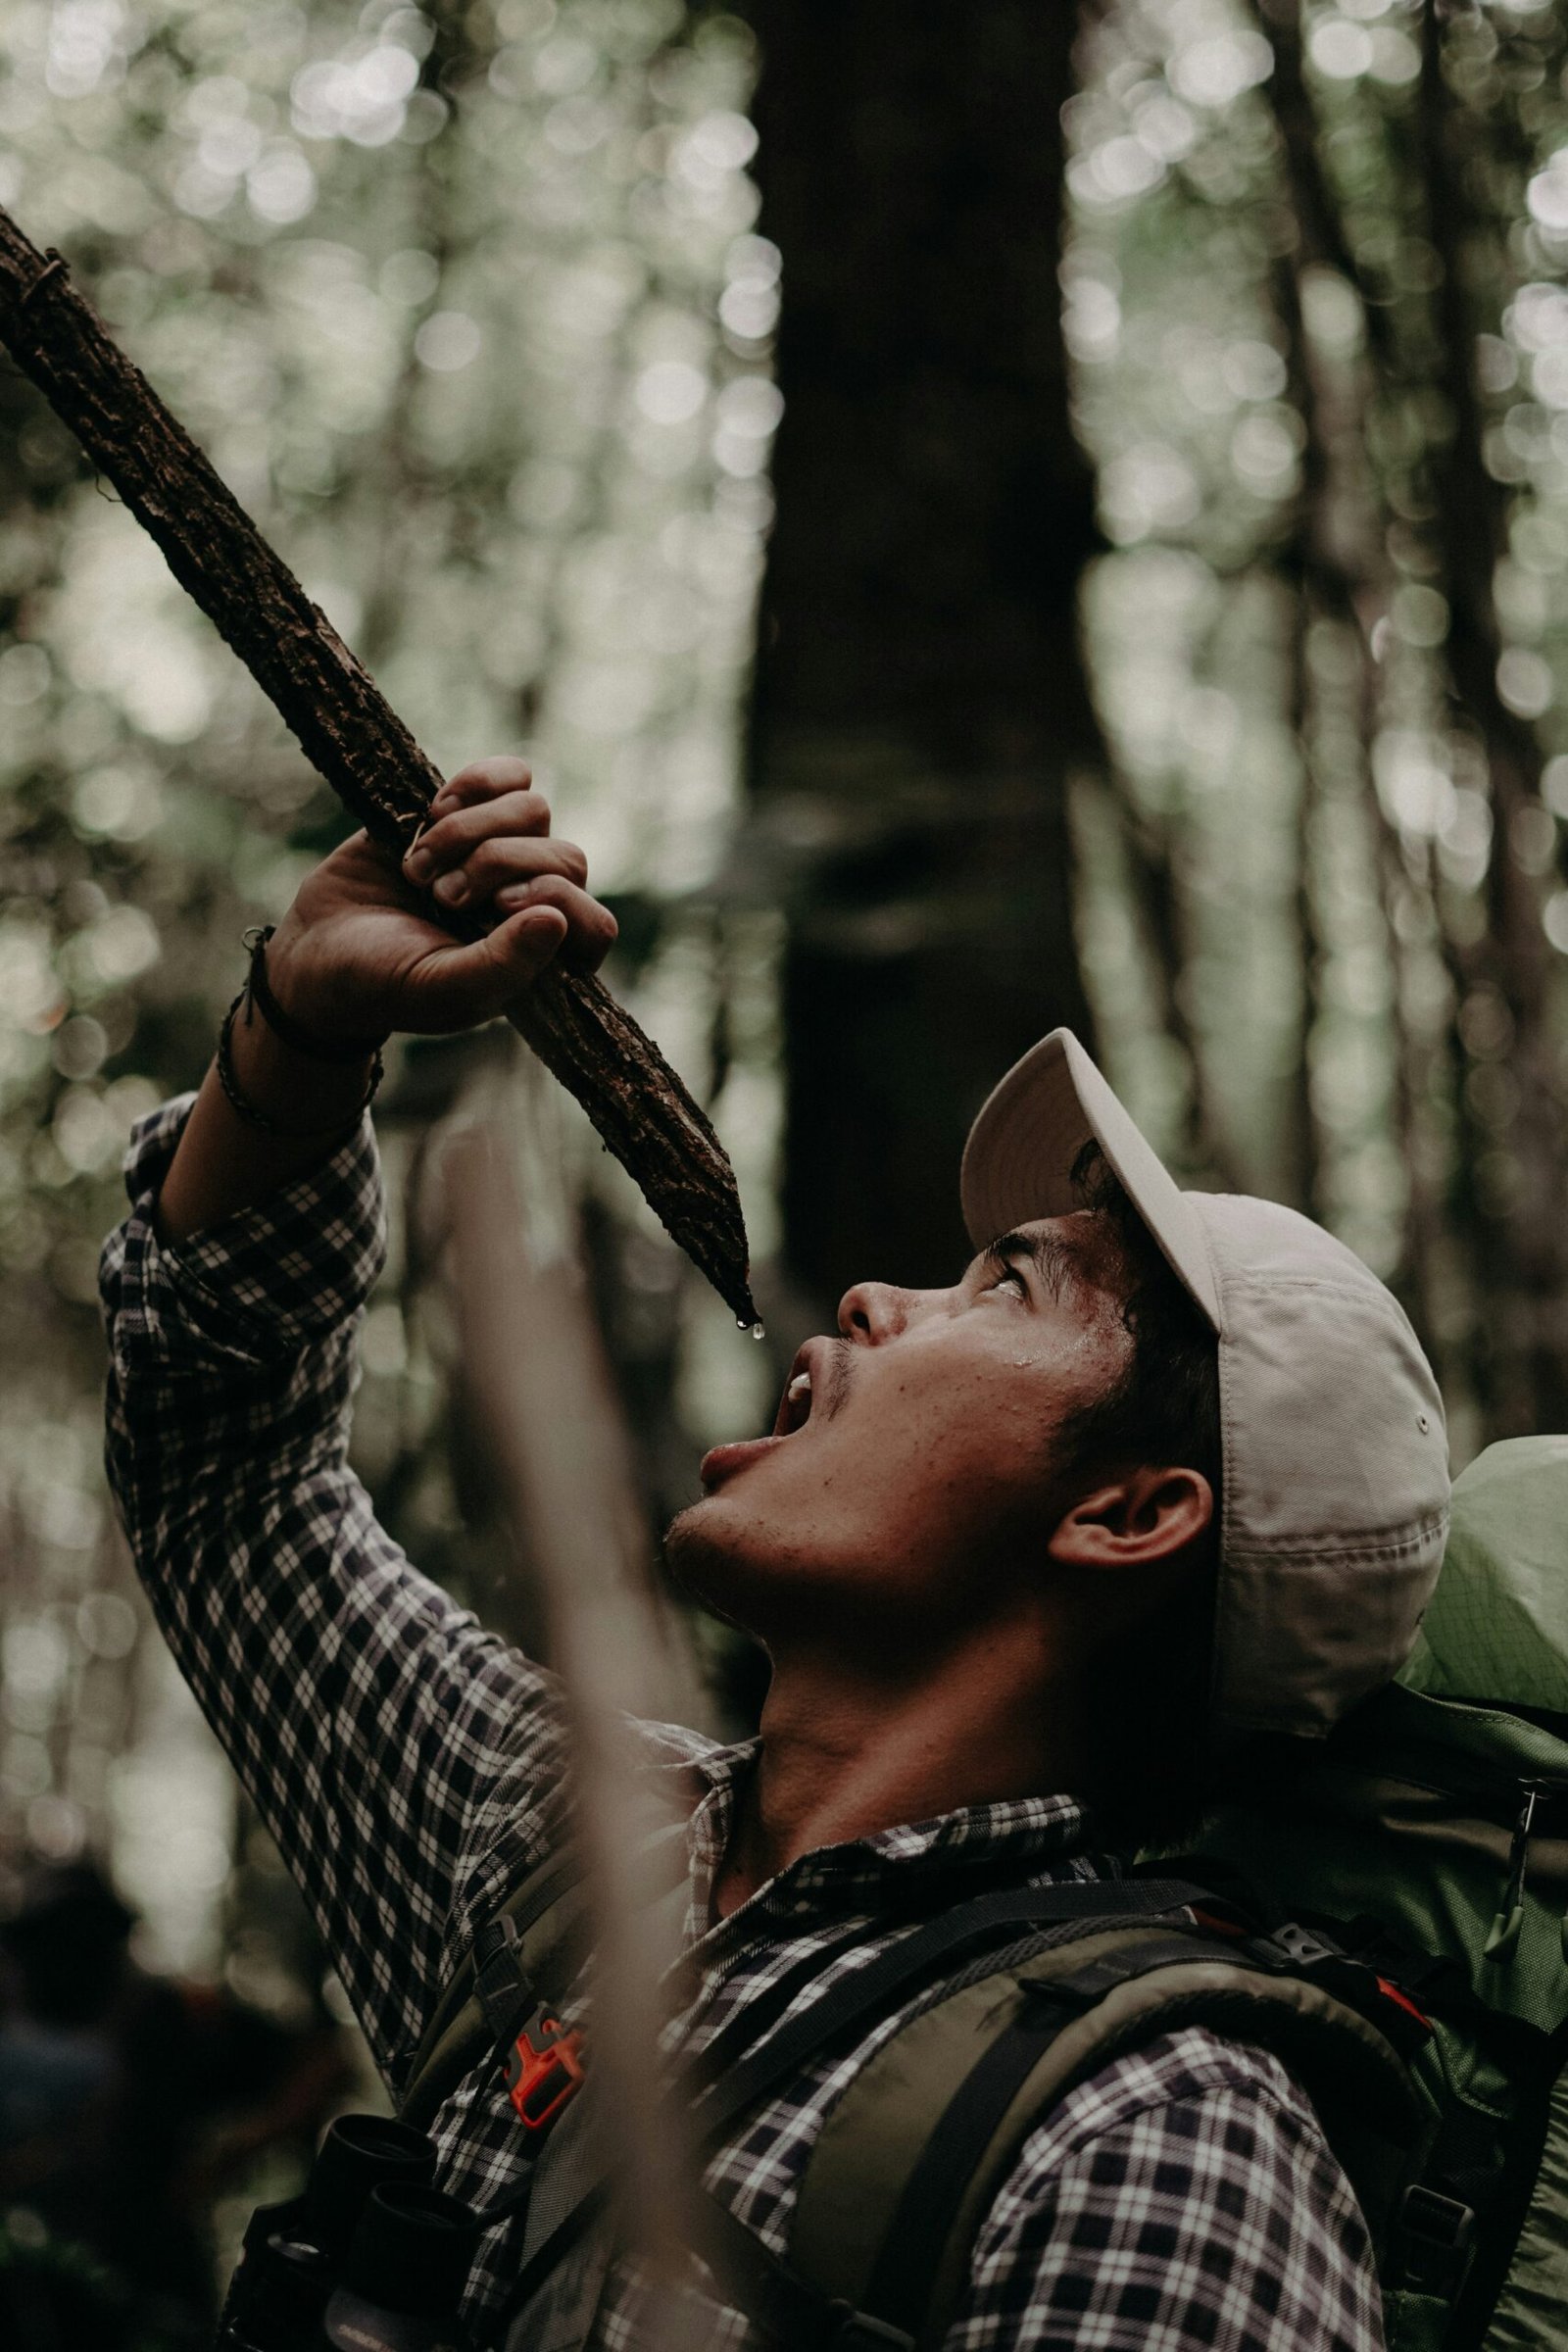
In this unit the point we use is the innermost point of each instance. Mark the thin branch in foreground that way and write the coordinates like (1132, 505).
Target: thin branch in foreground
(560, 1451)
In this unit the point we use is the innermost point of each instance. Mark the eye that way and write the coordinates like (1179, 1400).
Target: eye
(1012, 1275)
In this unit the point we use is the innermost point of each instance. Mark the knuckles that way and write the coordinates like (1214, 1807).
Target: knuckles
(522, 816)
(503, 773)
(493, 862)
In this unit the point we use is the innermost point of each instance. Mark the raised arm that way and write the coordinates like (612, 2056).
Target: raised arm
(356, 956)
(383, 1735)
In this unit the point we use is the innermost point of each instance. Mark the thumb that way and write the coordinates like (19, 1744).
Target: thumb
(460, 986)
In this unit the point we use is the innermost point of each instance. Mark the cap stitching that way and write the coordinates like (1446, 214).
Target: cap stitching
(1379, 1546)
(1219, 1674)
(1269, 1285)
(1214, 1274)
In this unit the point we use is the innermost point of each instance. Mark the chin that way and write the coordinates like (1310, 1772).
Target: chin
(698, 1561)
(722, 1558)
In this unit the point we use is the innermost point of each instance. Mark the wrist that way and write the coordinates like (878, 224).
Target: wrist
(297, 1095)
(316, 1031)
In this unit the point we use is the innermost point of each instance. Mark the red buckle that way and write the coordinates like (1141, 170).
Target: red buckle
(542, 2077)
(1212, 1924)
(1402, 1999)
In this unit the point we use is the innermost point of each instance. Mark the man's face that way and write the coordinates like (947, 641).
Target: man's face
(913, 1472)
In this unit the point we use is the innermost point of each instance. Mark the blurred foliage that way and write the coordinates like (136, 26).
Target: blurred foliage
(466, 305)
(471, 305)
(1313, 295)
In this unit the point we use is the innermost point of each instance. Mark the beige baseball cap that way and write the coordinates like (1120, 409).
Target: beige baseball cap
(1335, 1507)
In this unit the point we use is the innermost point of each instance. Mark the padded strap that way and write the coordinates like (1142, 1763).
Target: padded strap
(874, 1987)
(911, 2156)
(988, 1917)
(906, 2268)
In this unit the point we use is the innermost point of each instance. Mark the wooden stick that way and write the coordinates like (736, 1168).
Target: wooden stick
(554, 1438)
(350, 734)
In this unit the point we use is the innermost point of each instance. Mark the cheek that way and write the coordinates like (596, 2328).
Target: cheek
(940, 1474)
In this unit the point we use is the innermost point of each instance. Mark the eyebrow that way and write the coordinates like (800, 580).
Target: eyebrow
(1056, 1262)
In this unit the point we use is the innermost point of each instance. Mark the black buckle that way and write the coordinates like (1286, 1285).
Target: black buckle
(1435, 2241)
(1298, 1947)
(858, 2328)
(504, 1994)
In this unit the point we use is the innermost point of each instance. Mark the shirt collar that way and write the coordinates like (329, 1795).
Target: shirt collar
(1032, 1832)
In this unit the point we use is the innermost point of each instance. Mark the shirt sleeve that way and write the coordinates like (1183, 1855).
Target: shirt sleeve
(382, 1734)
(1183, 2200)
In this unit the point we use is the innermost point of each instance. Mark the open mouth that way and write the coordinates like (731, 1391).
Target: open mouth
(802, 1390)
(795, 1406)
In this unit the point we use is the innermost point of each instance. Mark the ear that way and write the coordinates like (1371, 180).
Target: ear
(1150, 1514)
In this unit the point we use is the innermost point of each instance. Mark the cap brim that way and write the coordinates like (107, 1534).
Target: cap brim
(1018, 1162)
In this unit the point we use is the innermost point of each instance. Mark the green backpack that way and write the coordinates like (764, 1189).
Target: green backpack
(1390, 1924)
(1436, 1824)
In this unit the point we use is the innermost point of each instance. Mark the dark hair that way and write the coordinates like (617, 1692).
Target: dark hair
(1166, 1407)
(1153, 1775)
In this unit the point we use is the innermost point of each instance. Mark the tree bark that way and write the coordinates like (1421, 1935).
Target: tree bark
(640, 1107)
(920, 702)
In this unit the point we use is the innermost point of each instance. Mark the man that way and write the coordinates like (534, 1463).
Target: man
(1158, 1473)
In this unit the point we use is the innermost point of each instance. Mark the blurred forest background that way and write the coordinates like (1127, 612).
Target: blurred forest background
(981, 517)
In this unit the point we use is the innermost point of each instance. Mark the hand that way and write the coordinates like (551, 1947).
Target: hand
(362, 951)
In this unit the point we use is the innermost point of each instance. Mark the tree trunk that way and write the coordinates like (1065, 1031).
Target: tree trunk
(920, 701)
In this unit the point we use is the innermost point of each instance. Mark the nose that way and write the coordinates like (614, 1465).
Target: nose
(874, 1311)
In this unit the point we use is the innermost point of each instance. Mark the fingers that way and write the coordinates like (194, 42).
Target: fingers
(591, 929)
(489, 869)
(455, 987)
(459, 987)
(482, 780)
(452, 838)
(487, 850)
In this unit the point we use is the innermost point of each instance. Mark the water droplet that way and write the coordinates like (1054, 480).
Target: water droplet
(756, 1330)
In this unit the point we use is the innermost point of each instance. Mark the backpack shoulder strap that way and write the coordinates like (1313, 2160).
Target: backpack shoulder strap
(914, 2152)
(789, 2309)
(543, 1907)
(943, 1943)
(519, 1957)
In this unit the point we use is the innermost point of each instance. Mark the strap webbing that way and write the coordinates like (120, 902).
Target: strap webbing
(872, 1989)
(462, 2026)
(922, 2222)
(869, 1989)
(761, 2010)
(787, 2310)
(547, 1885)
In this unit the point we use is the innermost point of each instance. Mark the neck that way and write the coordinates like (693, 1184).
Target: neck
(850, 1746)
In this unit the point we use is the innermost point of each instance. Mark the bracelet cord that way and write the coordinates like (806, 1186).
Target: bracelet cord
(240, 1102)
(283, 1024)
(256, 995)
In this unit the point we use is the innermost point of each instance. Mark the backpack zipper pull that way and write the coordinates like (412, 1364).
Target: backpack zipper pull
(1502, 1943)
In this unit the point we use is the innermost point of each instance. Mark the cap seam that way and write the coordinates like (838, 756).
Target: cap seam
(1383, 1543)
(1269, 1285)
(1201, 1223)
(1219, 1674)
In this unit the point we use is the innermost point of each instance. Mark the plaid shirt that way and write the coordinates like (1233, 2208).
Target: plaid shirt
(408, 1765)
